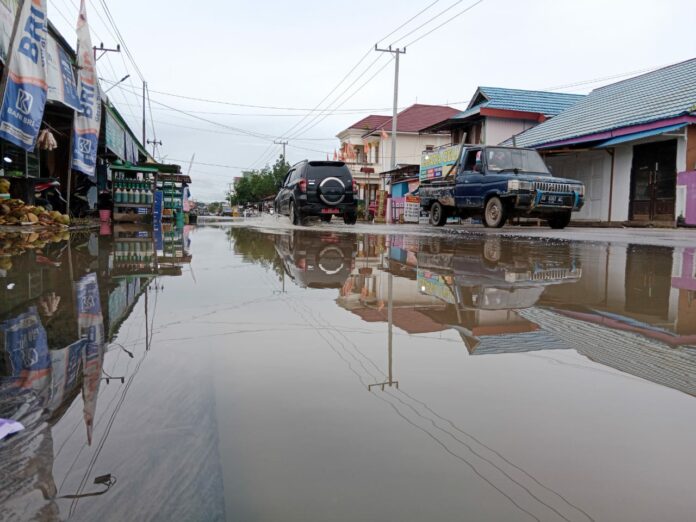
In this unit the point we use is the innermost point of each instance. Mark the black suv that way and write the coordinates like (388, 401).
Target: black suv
(318, 188)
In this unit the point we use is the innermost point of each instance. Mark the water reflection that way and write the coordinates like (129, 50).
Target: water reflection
(632, 308)
(63, 298)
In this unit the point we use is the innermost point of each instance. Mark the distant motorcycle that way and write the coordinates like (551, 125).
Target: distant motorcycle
(47, 195)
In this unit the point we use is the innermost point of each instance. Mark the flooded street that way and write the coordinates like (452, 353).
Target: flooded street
(232, 373)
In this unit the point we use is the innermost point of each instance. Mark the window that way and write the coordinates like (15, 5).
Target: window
(473, 157)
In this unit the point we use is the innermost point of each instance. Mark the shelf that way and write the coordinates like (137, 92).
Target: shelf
(133, 205)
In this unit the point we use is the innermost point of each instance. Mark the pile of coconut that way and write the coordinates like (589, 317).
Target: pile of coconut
(16, 212)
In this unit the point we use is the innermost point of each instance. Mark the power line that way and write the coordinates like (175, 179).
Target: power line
(438, 15)
(122, 40)
(409, 20)
(444, 23)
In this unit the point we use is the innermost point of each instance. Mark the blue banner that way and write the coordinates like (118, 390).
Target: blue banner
(24, 99)
(86, 125)
(60, 76)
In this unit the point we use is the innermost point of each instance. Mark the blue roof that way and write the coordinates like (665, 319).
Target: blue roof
(640, 135)
(658, 95)
(542, 102)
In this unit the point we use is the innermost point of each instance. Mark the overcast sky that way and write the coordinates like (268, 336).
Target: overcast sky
(290, 55)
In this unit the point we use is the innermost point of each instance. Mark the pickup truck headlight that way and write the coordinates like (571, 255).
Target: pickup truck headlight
(515, 185)
(580, 189)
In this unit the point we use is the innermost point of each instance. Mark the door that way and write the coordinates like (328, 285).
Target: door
(654, 181)
(467, 189)
(286, 192)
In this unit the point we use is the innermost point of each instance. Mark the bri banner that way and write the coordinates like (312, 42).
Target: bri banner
(24, 99)
(86, 125)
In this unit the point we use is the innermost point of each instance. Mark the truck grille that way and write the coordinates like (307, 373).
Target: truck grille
(555, 274)
(546, 186)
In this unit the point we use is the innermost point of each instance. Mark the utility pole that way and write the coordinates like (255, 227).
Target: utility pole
(283, 143)
(154, 144)
(144, 135)
(396, 52)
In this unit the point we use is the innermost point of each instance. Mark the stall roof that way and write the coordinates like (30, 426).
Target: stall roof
(129, 167)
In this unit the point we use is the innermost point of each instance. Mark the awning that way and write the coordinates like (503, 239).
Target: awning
(639, 135)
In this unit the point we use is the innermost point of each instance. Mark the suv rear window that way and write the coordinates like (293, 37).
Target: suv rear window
(319, 170)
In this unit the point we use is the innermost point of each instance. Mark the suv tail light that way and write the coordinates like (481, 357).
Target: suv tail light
(355, 188)
(302, 184)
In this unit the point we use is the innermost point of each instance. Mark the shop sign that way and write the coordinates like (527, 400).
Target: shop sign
(381, 204)
(436, 163)
(24, 99)
(435, 285)
(86, 124)
(60, 75)
(412, 209)
(115, 136)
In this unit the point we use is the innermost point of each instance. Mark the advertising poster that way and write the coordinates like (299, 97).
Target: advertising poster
(86, 124)
(411, 209)
(437, 163)
(24, 99)
(60, 76)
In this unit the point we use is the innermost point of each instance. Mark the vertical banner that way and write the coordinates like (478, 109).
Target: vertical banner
(8, 11)
(60, 75)
(24, 99)
(86, 125)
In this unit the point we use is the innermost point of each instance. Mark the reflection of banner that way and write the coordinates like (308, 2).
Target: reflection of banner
(91, 327)
(115, 136)
(65, 367)
(60, 75)
(86, 124)
(26, 347)
(435, 285)
(8, 10)
(25, 93)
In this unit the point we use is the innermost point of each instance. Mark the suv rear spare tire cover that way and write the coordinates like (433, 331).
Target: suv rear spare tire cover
(332, 191)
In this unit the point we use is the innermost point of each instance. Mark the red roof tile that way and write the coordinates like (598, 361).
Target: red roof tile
(371, 122)
(418, 117)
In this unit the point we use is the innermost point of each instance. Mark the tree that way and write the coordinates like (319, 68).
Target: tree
(256, 185)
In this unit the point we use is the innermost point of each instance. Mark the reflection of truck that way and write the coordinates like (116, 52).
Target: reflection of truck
(495, 183)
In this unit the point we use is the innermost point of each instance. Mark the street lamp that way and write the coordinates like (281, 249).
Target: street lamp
(117, 83)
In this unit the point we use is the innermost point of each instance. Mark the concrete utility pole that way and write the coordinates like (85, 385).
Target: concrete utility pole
(144, 136)
(283, 143)
(396, 53)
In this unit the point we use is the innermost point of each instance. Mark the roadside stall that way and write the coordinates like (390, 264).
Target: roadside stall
(173, 188)
(132, 191)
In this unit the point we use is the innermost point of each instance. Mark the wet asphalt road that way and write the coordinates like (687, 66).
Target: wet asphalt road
(273, 372)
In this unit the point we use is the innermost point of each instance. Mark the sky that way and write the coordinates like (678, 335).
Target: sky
(278, 70)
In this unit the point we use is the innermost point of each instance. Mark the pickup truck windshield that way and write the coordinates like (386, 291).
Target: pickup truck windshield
(515, 160)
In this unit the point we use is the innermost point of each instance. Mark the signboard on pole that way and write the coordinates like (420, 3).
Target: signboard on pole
(115, 136)
(86, 125)
(437, 163)
(60, 75)
(24, 99)
(411, 209)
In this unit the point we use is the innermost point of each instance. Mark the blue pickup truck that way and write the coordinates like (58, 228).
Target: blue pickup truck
(496, 183)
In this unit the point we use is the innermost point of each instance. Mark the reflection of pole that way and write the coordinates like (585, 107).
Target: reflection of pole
(147, 336)
(390, 322)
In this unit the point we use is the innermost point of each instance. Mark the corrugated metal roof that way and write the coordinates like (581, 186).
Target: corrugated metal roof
(542, 102)
(370, 122)
(418, 117)
(654, 96)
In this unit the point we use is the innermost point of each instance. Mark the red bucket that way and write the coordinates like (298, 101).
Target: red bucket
(105, 216)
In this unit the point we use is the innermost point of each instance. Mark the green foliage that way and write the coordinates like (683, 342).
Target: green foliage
(259, 184)
(215, 207)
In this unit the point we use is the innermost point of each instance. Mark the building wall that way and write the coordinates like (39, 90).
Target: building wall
(623, 160)
(594, 170)
(500, 129)
(409, 148)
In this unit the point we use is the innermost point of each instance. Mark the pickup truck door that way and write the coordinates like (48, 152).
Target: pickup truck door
(468, 186)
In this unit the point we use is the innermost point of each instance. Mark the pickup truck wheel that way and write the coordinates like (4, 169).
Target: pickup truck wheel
(438, 216)
(495, 214)
(560, 220)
